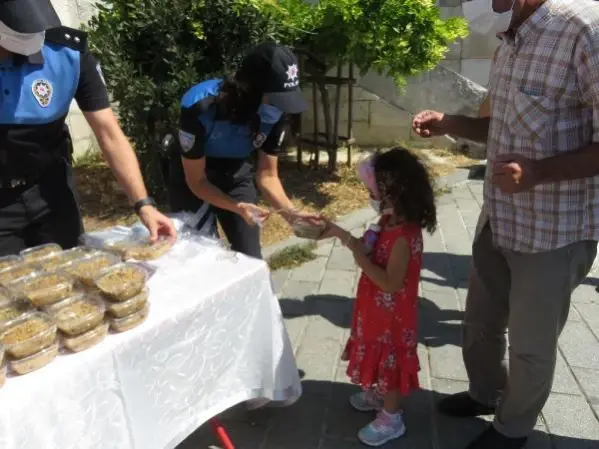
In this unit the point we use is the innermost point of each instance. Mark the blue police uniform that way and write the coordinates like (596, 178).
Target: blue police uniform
(38, 201)
(205, 132)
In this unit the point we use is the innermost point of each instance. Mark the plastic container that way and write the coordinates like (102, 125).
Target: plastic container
(371, 236)
(2, 355)
(144, 251)
(6, 297)
(86, 270)
(78, 313)
(14, 310)
(3, 369)
(17, 272)
(35, 361)
(9, 261)
(28, 334)
(55, 261)
(44, 289)
(122, 281)
(86, 340)
(126, 308)
(130, 322)
(39, 252)
(306, 229)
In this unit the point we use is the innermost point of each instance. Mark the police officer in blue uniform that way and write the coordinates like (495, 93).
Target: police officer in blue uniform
(43, 67)
(223, 121)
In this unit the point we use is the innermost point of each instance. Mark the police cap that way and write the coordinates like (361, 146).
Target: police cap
(28, 16)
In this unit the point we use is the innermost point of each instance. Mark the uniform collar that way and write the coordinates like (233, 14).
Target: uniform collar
(34, 59)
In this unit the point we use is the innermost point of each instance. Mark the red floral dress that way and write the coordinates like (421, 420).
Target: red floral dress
(382, 347)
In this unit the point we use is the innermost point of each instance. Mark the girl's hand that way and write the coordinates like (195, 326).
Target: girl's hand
(252, 214)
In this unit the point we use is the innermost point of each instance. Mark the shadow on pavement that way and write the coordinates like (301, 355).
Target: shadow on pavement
(322, 418)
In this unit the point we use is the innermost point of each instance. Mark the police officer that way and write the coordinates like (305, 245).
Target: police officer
(223, 121)
(43, 67)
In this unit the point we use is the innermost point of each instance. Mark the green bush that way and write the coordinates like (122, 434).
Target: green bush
(153, 50)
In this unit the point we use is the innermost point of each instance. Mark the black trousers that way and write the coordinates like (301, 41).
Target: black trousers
(45, 212)
(242, 237)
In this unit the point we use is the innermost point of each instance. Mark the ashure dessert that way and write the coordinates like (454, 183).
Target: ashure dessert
(307, 229)
(39, 252)
(17, 272)
(144, 251)
(35, 361)
(122, 281)
(9, 261)
(122, 309)
(56, 260)
(27, 335)
(87, 269)
(44, 289)
(86, 340)
(78, 314)
(130, 322)
(13, 311)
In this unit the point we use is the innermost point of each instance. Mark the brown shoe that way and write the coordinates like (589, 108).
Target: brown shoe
(462, 405)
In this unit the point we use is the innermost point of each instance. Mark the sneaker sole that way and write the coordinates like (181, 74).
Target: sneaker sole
(365, 409)
(400, 433)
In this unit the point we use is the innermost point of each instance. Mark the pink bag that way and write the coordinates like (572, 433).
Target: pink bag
(366, 175)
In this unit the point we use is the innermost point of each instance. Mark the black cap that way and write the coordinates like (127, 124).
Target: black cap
(274, 70)
(28, 16)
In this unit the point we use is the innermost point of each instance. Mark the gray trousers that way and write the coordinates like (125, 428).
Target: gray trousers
(527, 294)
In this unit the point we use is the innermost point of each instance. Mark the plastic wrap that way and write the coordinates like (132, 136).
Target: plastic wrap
(307, 229)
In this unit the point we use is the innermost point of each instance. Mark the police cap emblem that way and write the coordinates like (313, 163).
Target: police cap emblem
(42, 91)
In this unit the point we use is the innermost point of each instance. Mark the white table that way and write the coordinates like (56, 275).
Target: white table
(214, 338)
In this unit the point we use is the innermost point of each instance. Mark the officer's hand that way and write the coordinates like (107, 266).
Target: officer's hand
(159, 225)
(252, 214)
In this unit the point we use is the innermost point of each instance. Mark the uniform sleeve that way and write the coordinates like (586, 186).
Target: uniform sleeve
(91, 94)
(191, 134)
(272, 144)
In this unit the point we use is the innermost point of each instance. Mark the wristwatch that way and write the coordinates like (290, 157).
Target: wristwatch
(149, 201)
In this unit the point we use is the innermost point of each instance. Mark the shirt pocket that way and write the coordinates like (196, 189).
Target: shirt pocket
(531, 116)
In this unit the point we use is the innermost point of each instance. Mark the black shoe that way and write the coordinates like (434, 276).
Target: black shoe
(491, 439)
(461, 405)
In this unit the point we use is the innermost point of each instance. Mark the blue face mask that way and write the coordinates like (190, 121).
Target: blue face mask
(269, 114)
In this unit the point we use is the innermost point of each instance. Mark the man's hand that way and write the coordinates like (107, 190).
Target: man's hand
(252, 214)
(429, 124)
(158, 224)
(291, 215)
(512, 173)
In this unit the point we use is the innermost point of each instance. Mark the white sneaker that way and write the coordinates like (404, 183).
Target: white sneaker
(366, 401)
(383, 429)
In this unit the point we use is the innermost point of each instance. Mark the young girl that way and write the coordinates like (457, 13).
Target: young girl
(382, 348)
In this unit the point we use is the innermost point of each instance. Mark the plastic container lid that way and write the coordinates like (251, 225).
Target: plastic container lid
(19, 271)
(122, 309)
(9, 261)
(128, 323)
(122, 281)
(28, 334)
(43, 289)
(35, 361)
(78, 313)
(13, 310)
(88, 268)
(56, 260)
(37, 252)
(88, 339)
(143, 250)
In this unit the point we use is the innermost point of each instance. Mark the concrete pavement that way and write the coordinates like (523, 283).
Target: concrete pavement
(316, 299)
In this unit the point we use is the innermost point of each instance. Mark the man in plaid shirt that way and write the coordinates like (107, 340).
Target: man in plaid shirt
(539, 226)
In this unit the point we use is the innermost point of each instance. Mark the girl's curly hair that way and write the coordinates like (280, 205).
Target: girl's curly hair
(404, 182)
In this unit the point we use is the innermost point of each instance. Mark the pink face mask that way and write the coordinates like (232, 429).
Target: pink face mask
(366, 175)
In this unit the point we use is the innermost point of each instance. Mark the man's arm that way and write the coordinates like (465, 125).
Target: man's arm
(475, 129)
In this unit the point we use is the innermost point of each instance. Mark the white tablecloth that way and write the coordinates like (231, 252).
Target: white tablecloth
(214, 338)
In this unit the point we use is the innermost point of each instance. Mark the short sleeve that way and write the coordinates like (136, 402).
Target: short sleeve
(91, 94)
(191, 134)
(272, 144)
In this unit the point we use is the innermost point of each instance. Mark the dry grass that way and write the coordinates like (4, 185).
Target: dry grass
(104, 203)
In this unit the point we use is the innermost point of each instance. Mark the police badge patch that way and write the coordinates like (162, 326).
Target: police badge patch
(259, 140)
(186, 140)
(42, 91)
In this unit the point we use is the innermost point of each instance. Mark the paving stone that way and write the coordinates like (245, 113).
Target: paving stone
(589, 312)
(292, 299)
(311, 271)
(589, 381)
(572, 422)
(585, 293)
(279, 279)
(324, 249)
(579, 346)
(335, 309)
(296, 328)
(320, 349)
(336, 443)
(563, 381)
(338, 282)
(341, 259)
(446, 360)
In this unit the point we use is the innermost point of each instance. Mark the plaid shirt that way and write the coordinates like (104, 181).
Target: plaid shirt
(544, 93)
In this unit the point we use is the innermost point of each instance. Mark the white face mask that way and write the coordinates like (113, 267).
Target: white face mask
(19, 43)
(482, 19)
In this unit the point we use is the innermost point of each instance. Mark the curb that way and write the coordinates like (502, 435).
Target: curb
(361, 217)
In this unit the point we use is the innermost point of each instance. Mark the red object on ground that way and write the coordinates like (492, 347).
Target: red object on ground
(221, 433)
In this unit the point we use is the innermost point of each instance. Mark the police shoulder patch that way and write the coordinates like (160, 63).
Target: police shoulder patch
(259, 140)
(186, 140)
(42, 91)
